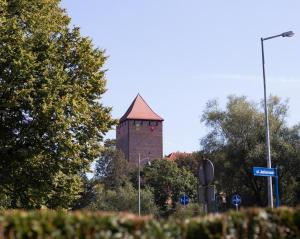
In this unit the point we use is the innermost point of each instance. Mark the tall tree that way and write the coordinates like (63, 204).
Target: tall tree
(51, 115)
(236, 143)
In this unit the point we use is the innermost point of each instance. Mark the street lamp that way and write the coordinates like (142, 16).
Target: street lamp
(139, 180)
(269, 165)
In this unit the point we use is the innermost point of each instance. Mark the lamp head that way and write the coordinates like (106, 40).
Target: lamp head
(288, 34)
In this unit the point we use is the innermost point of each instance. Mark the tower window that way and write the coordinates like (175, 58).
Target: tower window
(153, 123)
(138, 122)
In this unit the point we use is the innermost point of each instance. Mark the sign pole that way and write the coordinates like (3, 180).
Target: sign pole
(206, 201)
(277, 188)
(237, 207)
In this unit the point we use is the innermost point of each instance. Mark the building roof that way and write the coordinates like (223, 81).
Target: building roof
(176, 155)
(140, 110)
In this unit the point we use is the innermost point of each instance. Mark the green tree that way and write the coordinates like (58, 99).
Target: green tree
(236, 143)
(88, 195)
(112, 168)
(124, 199)
(190, 162)
(51, 115)
(168, 182)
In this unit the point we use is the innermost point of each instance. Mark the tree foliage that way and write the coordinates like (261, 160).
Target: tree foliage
(190, 162)
(88, 194)
(124, 198)
(112, 168)
(168, 182)
(51, 116)
(236, 143)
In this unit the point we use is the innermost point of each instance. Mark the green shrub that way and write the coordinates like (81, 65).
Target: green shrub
(188, 211)
(250, 223)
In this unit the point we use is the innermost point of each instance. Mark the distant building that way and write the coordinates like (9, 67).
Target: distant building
(140, 131)
(177, 155)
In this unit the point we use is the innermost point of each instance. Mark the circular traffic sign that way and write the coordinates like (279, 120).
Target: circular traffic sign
(236, 200)
(184, 199)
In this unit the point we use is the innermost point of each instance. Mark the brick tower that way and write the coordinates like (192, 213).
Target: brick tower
(140, 132)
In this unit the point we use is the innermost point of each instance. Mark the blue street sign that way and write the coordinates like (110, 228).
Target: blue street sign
(236, 200)
(269, 172)
(264, 172)
(184, 200)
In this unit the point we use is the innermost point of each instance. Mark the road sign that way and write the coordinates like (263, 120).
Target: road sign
(207, 194)
(236, 200)
(206, 172)
(184, 199)
(264, 172)
(269, 172)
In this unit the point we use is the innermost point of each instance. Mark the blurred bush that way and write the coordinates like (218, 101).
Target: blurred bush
(250, 223)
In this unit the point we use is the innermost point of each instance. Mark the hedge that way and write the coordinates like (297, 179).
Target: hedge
(250, 223)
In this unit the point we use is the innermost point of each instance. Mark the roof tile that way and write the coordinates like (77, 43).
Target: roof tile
(139, 109)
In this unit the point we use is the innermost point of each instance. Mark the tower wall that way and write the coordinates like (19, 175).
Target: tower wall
(122, 138)
(144, 137)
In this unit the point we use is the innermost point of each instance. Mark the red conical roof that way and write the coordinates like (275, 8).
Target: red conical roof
(140, 110)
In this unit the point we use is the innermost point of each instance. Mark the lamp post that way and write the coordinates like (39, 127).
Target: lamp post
(269, 164)
(139, 181)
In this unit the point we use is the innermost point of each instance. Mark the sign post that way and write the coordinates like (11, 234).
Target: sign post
(277, 188)
(269, 172)
(236, 201)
